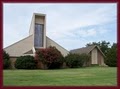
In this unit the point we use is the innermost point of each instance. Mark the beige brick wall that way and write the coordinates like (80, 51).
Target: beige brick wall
(40, 19)
(100, 59)
(94, 59)
(97, 57)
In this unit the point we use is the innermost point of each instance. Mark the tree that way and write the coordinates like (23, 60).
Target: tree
(111, 56)
(77, 60)
(104, 46)
(6, 61)
(50, 57)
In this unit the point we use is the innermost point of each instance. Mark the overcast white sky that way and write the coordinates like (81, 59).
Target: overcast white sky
(70, 25)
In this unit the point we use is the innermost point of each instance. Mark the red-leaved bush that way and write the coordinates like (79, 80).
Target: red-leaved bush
(50, 57)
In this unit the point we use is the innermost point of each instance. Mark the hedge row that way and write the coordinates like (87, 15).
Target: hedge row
(52, 58)
(25, 62)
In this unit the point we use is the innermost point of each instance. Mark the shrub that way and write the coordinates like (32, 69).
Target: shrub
(6, 61)
(76, 60)
(85, 58)
(50, 57)
(25, 62)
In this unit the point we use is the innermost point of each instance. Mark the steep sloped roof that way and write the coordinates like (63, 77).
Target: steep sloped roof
(86, 50)
(21, 47)
(83, 50)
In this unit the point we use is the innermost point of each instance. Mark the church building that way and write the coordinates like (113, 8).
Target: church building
(37, 39)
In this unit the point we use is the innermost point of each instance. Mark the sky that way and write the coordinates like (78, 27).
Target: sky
(72, 25)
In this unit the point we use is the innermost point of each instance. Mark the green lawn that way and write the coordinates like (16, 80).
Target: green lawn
(89, 76)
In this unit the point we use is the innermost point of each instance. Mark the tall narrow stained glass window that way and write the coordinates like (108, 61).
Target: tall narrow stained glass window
(38, 40)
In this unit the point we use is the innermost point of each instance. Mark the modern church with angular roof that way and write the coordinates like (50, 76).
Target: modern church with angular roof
(37, 39)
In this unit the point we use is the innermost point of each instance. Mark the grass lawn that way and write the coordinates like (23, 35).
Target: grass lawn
(89, 76)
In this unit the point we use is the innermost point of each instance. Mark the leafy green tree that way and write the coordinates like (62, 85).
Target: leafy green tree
(6, 61)
(111, 56)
